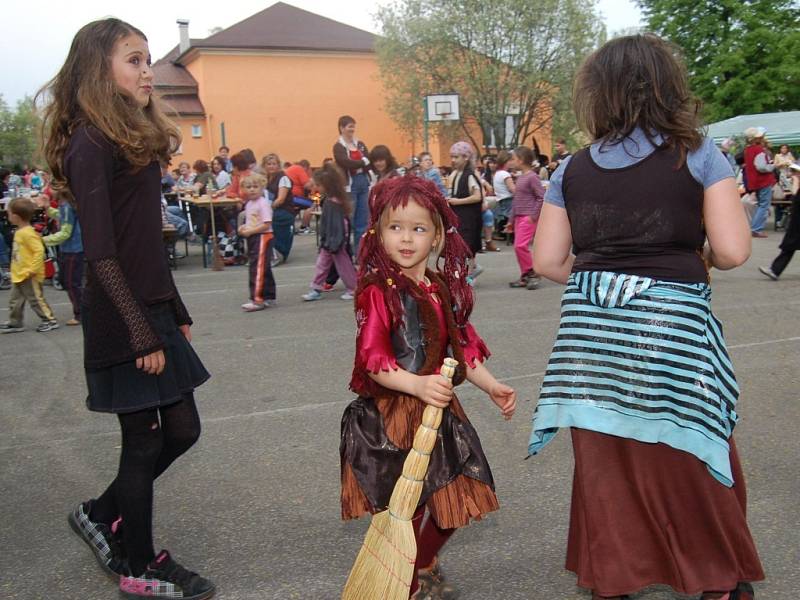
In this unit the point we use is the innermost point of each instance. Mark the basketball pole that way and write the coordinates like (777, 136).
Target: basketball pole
(425, 120)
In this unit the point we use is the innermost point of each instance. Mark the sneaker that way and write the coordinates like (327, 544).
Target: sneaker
(769, 273)
(327, 287)
(9, 328)
(45, 326)
(164, 578)
(104, 541)
(277, 258)
(269, 303)
(533, 282)
(347, 296)
(253, 306)
(474, 275)
(759, 234)
(312, 295)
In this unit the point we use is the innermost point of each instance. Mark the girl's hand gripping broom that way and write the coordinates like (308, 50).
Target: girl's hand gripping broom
(385, 564)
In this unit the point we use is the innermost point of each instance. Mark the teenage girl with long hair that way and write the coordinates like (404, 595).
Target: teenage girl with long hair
(104, 135)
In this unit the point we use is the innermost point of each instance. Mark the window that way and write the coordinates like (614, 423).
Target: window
(197, 131)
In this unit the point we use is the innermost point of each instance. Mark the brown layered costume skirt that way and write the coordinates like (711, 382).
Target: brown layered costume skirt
(645, 514)
(377, 434)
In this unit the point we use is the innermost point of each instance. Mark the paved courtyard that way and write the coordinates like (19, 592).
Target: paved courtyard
(255, 505)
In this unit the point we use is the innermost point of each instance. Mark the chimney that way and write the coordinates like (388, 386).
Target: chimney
(183, 28)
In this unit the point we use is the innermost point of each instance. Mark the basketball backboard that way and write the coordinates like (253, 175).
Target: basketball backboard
(442, 107)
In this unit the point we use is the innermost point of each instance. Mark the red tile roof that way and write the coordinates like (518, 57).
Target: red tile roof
(169, 74)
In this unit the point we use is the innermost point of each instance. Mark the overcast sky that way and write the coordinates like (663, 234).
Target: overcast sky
(37, 33)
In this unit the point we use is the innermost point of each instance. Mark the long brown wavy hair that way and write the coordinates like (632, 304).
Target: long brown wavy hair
(84, 92)
(637, 81)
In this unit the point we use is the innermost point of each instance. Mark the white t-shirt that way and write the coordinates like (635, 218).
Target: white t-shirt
(223, 179)
(499, 184)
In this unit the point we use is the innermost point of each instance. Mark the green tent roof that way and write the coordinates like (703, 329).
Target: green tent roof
(782, 127)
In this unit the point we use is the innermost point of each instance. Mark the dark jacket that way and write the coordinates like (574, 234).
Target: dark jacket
(332, 228)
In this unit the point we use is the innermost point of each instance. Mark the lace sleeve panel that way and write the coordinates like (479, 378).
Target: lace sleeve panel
(109, 275)
(181, 314)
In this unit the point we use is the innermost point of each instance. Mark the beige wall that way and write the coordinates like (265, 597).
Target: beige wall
(289, 103)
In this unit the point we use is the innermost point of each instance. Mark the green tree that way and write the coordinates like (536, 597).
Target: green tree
(514, 60)
(741, 54)
(18, 130)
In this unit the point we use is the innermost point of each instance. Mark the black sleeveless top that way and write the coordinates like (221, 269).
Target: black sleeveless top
(645, 219)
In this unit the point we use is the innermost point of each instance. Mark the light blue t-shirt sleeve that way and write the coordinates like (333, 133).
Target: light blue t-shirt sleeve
(554, 194)
(708, 165)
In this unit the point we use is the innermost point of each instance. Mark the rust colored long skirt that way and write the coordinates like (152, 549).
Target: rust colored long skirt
(645, 514)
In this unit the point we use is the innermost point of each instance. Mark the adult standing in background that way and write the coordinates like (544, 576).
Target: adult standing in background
(351, 156)
(224, 151)
(760, 177)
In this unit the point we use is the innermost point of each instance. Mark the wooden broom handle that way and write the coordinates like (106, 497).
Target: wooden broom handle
(408, 490)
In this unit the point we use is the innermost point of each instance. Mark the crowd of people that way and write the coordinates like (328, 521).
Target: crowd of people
(639, 371)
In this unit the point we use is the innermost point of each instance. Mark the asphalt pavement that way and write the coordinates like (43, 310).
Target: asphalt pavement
(255, 504)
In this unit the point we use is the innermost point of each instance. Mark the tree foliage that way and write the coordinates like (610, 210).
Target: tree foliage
(18, 130)
(742, 55)
(511, 59)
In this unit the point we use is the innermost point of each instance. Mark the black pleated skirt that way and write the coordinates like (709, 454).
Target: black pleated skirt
(123, 388)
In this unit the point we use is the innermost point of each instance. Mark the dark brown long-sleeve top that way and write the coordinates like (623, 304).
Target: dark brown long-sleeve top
(119, 209)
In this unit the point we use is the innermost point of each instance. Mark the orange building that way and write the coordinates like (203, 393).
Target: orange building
(277, 82)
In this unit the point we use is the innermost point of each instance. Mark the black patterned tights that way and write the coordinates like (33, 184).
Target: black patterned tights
(151, 441)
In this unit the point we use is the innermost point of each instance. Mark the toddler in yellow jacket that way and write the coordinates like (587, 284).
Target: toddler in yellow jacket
(27, 270)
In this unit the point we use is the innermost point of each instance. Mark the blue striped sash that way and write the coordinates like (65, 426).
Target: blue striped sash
(641, 359)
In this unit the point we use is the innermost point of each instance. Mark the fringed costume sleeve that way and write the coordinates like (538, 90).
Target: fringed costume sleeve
(475, 349)
(374, 352)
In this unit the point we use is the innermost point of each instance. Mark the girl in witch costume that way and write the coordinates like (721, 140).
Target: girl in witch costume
(409, 319)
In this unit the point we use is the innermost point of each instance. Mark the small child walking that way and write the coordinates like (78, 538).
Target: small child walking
(257, 229)
(409, 319)
(27, 271)
(334, 233)
(70, 252)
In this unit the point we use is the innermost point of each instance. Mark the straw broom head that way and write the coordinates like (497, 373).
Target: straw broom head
(384, 566)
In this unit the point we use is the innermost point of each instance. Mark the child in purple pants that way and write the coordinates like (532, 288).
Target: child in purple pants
(334, 232)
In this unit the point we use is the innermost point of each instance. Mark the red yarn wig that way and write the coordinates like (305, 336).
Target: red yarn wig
(451, 263)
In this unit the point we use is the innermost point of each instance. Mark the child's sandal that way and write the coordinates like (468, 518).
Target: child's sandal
(433, 579)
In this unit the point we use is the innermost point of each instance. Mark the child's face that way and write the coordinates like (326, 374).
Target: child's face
(380, 164)
(408, 235)
(426, 162)
(458, 161)
(130, 68)
(252, 190)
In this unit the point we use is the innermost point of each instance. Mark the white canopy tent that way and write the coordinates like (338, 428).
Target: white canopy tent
(782, 127)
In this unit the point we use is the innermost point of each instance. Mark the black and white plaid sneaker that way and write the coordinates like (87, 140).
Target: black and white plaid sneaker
(103, 540)
(164, 578)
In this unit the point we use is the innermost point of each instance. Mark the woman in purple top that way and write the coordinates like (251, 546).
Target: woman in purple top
(525, 209)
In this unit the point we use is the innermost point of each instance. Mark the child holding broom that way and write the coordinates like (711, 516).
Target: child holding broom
(409, 319)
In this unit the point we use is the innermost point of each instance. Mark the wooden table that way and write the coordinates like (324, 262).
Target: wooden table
(209, 204)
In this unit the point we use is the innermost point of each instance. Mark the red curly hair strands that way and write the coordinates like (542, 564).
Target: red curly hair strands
(453, 256)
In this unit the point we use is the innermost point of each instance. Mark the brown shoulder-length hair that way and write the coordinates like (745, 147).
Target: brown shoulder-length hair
(84, 91)
(637, 81)
(332, 180)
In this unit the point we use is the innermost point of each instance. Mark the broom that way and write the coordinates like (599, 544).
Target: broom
(384, 566)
